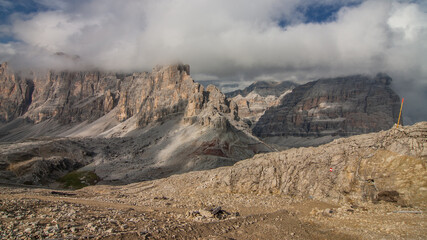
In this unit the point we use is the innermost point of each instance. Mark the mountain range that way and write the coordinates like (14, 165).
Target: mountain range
(140, 126)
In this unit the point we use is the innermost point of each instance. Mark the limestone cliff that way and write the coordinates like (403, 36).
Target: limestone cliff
(75, 97)
(339, 106)
(67, 97)
(15, 94)
(264, 89)
(256, 98)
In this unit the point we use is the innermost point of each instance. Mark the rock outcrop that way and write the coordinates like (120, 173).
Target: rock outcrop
(339, 106)
(67, 97)
(75, 97)
(367, 167)
(264, 89)
(15, 94)
(38, 162)
(255, 99)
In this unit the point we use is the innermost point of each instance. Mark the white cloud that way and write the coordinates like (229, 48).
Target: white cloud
(7, 48)
(227, 39)
(51, 31)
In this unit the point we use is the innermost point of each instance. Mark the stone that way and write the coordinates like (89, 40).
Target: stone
(205, 213)
(327, 212)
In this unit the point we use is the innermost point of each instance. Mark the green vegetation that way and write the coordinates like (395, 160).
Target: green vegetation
(77, 179)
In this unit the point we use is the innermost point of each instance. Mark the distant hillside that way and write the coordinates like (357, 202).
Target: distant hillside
(264, 89)
(336, 106)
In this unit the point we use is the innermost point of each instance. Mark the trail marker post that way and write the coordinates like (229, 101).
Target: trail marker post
(400, 113)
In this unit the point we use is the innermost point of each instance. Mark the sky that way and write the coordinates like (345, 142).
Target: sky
(226, 41)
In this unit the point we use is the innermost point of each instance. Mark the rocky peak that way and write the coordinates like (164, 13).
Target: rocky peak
(172, 68)
(383, 78)
(15, 94)
(184, 68)
(165, 91)
(3, 67)
(256, 98)
(217, 99)
(71, 97)
(264, 89)
(213, 108)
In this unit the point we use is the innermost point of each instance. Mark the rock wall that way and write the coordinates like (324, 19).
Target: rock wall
(67, 97)
(256, 98)
(338, 106)
(264, 89)
(15, 94)
(75, 97)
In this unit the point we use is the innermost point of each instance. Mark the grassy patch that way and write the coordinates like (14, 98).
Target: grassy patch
(76, 180)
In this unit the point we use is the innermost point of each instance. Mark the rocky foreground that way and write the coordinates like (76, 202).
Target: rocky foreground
(371, 186)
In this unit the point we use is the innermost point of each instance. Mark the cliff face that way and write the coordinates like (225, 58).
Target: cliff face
(15, 94)
(264, 89)
(339, 106)
(74, 97)
(256, 98)
(136, 127)
(67, 97)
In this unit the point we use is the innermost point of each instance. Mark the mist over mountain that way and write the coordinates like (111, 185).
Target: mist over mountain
(239, 43)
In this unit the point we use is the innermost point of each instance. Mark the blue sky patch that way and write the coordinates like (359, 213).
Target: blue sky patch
(7, 8)
(319, 12)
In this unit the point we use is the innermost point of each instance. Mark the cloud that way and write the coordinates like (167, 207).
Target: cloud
(5, 4)
(234, 40)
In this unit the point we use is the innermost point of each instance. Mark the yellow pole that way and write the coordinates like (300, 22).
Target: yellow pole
(400, 113)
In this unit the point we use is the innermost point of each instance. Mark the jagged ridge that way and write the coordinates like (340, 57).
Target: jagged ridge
(143, 125)
(70, 98)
